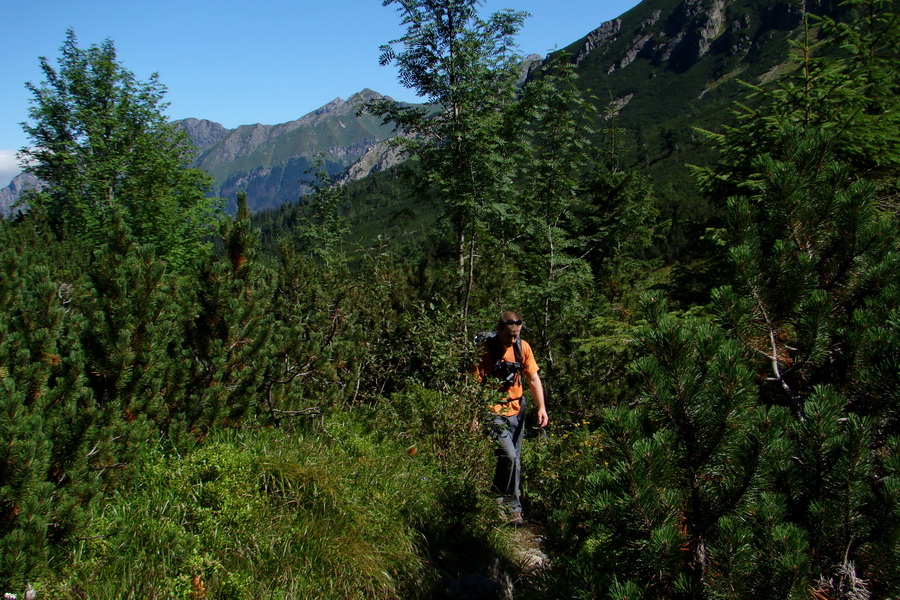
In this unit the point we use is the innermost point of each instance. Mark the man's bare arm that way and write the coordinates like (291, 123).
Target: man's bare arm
(537, 393)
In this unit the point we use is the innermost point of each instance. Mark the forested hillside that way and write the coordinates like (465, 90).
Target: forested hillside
(197, 405)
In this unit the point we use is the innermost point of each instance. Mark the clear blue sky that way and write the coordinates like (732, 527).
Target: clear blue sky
(235, 62)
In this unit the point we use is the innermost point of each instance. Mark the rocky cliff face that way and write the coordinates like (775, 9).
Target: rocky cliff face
(380, 157)
(11, 193)
(203, 133)
(659, 59)
(676, 35)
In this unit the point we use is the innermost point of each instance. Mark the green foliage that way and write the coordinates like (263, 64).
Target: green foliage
(318, 347)
(762, 554)
(809, 248)
(619, 226)
(875, 333)
(708, 487)
(101, 144)
(440, 424)
(828, 483)
(133, 323)
(686, 459)
(46, 409)
(855, 98)
(582, 231)
(103, 356)
(318, 424)
(846, 87)
(582, 277)
(554, 278)
(381, 210)
(812, 249)
(555, 469)
(466, 68)
(229, 331)
(672, 496)
(811, 245)
(408, 331)
(325, 229)
(334, 513)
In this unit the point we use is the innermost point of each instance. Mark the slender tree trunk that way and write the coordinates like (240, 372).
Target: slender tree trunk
(469, 274)
(551, 272)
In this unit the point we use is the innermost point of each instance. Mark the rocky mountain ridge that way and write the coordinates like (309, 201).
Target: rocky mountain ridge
(12, 192)
(273, 162)
(676, 34)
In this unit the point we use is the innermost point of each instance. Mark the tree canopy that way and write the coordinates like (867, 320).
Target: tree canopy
(100, 142)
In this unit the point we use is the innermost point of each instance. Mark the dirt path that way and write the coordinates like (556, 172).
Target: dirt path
(502, 579)
(528, 549)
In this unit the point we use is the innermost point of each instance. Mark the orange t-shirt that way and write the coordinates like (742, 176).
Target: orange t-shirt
(513, 402)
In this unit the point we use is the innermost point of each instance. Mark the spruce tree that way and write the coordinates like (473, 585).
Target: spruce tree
(759, 460)
(134, 311)
(809, 248)
(229, 335)
(815, 262)
(684, 465)
(845, 85)
(323, 232)
(554, 277)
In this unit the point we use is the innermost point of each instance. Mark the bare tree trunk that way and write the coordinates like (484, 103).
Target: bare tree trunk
(468, 275)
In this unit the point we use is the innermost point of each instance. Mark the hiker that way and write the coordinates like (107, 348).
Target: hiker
(506, 357)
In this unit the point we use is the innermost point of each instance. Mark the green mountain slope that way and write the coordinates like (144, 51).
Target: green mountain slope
(271, 162)
(669, 66)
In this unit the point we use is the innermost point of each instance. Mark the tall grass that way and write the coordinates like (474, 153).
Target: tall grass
(331, 511)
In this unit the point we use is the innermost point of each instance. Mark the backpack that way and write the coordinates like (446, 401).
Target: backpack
(507, 372)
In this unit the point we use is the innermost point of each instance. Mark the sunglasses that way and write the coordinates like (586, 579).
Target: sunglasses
(513, 322)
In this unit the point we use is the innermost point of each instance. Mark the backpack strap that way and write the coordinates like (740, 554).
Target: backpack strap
(493, 346)
(517, 351)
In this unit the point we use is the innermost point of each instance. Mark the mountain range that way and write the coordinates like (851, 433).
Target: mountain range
(663, 67)
(274, 163)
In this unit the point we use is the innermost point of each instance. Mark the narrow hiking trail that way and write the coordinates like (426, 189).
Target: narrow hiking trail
(502, 579)
(528, 549)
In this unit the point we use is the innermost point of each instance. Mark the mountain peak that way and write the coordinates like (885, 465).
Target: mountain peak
(203, 133)
(334, 106)
(340, 106)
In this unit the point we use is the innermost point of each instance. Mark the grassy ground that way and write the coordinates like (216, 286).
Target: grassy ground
(335, 509)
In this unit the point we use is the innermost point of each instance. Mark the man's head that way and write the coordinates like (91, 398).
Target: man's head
(509, 328)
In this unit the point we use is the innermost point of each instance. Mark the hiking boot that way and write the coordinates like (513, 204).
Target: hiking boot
(515, 519)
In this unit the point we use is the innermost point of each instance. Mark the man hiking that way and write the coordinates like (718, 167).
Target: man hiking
(507, 360)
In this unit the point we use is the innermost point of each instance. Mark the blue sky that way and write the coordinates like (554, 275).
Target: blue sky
(235, 62)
